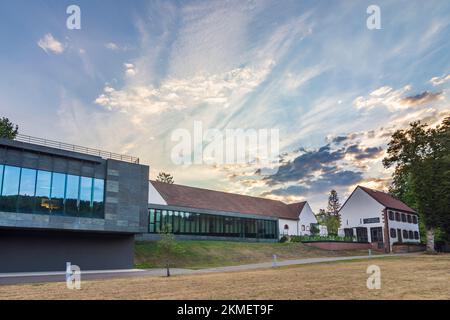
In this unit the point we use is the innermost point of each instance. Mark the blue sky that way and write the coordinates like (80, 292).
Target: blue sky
(137, 70)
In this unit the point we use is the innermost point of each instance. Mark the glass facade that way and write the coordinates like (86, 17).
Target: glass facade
(37, 191)
(191, 223)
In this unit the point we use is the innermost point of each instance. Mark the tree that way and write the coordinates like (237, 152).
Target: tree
(167, 246)
(333, 203)
(330, 221)
(8, 130)
(421, 156)
(165, 177)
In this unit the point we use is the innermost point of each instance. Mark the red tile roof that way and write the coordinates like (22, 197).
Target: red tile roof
(387, 200)
(191, 197)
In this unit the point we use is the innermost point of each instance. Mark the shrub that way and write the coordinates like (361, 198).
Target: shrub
(320, 238)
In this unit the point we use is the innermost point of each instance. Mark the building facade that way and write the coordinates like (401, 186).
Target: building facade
(195, 213)
(61, 203)
(379, 218)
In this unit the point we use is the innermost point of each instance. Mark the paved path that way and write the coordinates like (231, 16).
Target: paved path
(40, 277)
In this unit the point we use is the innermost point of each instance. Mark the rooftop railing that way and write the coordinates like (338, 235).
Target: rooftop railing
(75, 148)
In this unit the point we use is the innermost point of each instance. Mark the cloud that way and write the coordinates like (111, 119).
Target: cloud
(111, 46)
(395, 100)
(130, 69)
(217, 90)
(435, 81)
(421, 98)
(49, 43)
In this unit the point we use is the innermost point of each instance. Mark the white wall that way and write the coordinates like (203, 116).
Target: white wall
(403, 226)
(306, 218)
(292, 224)
(153, 195)
(358, 207)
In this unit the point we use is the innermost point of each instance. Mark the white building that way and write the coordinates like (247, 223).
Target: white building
(377, 217)
(300, 221)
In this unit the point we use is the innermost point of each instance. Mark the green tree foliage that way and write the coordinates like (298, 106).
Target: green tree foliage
(165, 177)
(329, 220)
(421, 156)
(168, 247)
(8, 130)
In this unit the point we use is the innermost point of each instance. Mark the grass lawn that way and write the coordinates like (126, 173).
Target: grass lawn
(407, 277)
(206, 254)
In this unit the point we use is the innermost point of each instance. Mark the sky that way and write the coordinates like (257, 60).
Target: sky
(138, 70)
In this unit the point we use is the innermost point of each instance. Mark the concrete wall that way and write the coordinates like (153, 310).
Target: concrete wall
(38, 250)
(126, 189)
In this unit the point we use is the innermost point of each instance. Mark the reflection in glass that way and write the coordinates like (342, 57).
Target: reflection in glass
(57, 194)
(25, 201)
(97, 198)
(42, 199)
(1, 177)
(72, 190)
(10, 189)
(212, 225)
(85, 208)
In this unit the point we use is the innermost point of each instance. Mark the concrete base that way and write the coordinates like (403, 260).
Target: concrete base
(44, 250)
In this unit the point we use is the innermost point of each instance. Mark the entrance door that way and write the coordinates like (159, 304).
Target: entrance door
(376, 235)
(399, 235)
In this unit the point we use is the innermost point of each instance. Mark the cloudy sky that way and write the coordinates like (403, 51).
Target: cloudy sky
(138, 70)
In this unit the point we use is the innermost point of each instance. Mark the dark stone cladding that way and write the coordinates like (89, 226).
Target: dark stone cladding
(49, 250)
(126, 189)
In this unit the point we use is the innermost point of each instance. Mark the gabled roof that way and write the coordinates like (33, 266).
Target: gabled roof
(191, 197)
(387, 200)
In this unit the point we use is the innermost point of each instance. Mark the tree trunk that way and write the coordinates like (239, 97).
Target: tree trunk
(430, 240)
(167, 269)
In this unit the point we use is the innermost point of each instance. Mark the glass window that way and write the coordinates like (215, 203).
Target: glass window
(416, 235)
(391, 215)
(397, 216)
(97, 198)
(10, 189)
(157, 221)
(405, 234)
(72, 194)
(151, 219)
(26, 192)
(415, 219)
(403, 217)
(57, 193)
(409, 218)
(1, 177)
(85, 206)
(393, 233)
(411, 235)
(42, 199)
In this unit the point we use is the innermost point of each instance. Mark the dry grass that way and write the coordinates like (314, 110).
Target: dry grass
(412, 277)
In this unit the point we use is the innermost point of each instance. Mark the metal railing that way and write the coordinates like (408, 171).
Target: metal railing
(75, 148)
